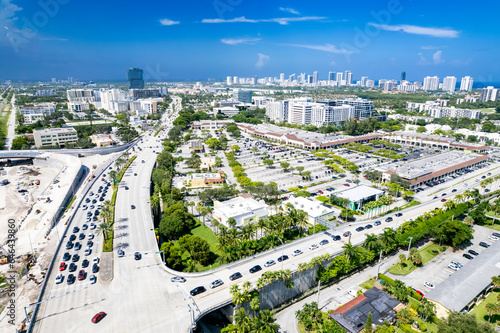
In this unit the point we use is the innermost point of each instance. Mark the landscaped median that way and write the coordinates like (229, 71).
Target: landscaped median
(107, 245)
(417, 259)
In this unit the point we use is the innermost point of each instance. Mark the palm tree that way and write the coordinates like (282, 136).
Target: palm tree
(266, 323)
(459, 197)
(469, 221)
(388, 238)
(371, 242)
(491, 308)
(242, 321)
(350, 251)
(104, 228)
(231, 222)
(107, 211)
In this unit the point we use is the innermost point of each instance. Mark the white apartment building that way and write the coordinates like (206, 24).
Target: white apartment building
(370, 83)
(277, 111)
(431, 83)
(466, 84)
(114, 100)
(229, 81)
(54, 136)
(452, 112)
(407, 86)
(489, 94)
(299, 112)
(323, 115)
(388, 85)
(449, 83)
(261, 101)
(32, 114)
(81, 95)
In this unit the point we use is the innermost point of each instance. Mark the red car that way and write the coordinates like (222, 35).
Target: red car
(420, 293)
(346, 184)
(365, 176)
(98, 317)
(320, 192)
(62, 266)
(443, 200)
(81, 275)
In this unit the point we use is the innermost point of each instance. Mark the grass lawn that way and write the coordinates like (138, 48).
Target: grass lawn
(480, 311)
(428, 253)
(368, 284)
(487, 110)
(207, 234)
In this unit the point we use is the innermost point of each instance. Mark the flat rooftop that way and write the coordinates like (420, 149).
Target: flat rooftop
(457, 291)
(430, 164)
(312, 207)
(358, 193)
(55, 130)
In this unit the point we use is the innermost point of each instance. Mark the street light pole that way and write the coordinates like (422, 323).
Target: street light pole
(409, 245)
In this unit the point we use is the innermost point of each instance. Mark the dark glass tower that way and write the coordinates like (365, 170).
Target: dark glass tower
(135, 78)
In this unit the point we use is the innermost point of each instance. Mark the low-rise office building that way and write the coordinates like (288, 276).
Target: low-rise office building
(206, 179)
(210, 124)
(244, 209)
(359, 195)
(317, 212)
(55, 136)
(102, 140)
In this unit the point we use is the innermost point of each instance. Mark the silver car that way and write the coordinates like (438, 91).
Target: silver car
(216, 283)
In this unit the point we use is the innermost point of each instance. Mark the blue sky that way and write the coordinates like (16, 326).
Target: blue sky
(197, 40)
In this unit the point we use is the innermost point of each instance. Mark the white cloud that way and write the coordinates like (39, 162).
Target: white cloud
(430, 47)
(326, 48)
(437, 58)
(263, 59)
(168, 22)
(56, 39)
(413, 29)
(422, 60)
(289, 10)
(242, 40)
(280, 20)
(7, 17)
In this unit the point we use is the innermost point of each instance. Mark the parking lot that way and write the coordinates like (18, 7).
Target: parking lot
(437, 270)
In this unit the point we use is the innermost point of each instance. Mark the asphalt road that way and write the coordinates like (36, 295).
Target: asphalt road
(141, 296)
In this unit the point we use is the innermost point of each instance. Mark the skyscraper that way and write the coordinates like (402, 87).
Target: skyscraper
(282, 77)
(135, 78)
(449, 83)
(229, 80)
(466, 84)
(403, 76)
(431, 83)
(363, 81)
(348, 78)
(489, 94)
(339, 78)
(331, 76)
(315, 77)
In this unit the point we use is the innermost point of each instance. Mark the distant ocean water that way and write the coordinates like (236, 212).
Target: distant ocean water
(477, 85)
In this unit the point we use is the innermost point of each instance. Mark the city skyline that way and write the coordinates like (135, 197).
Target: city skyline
(212, 40)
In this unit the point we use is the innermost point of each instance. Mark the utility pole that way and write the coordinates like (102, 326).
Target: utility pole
(409, 245)
(319, 287)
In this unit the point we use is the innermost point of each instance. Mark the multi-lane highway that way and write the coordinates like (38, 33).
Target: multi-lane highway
(141, 296)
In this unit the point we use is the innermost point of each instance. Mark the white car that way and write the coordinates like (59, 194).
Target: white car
(453, 267)
(87, 251)
(92, 226)
(216, 283)
(296, 253)
(88, 219)
(59, 278)
(93, 279)
(121, 253)
(84, 207)
(493, 238)
(90, 237)
(270, 263)
(313, 247)
(429, 285)
(95, 260)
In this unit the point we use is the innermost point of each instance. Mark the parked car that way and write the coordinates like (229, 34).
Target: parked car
(59, 279)
(473, 252)
(429, 285)
(98, 317)
(468, 256)
(484, 244)
(121, 253)
(137, 256)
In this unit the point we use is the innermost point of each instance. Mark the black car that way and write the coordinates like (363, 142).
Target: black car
(359, 229)
(95, 268)
(85, 263)
(78, 246)
(81, 236)
(389, 219)
(473, 252)
(454, 190)
(66, 256)
(71, 279)
(197, 290)
(283, 258)
(483, 244)
(72, 237)
(255, 268)
(496, 234)
(90, 243)
(323, 242)
(132, 206)
(235, 276)
(69, 245)
(399, 214)
(76, 257)
(75, 230)
(336, 237)
(368, 226)
(377, 223)
(468, 256)
(137, 256)
(72, 267)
